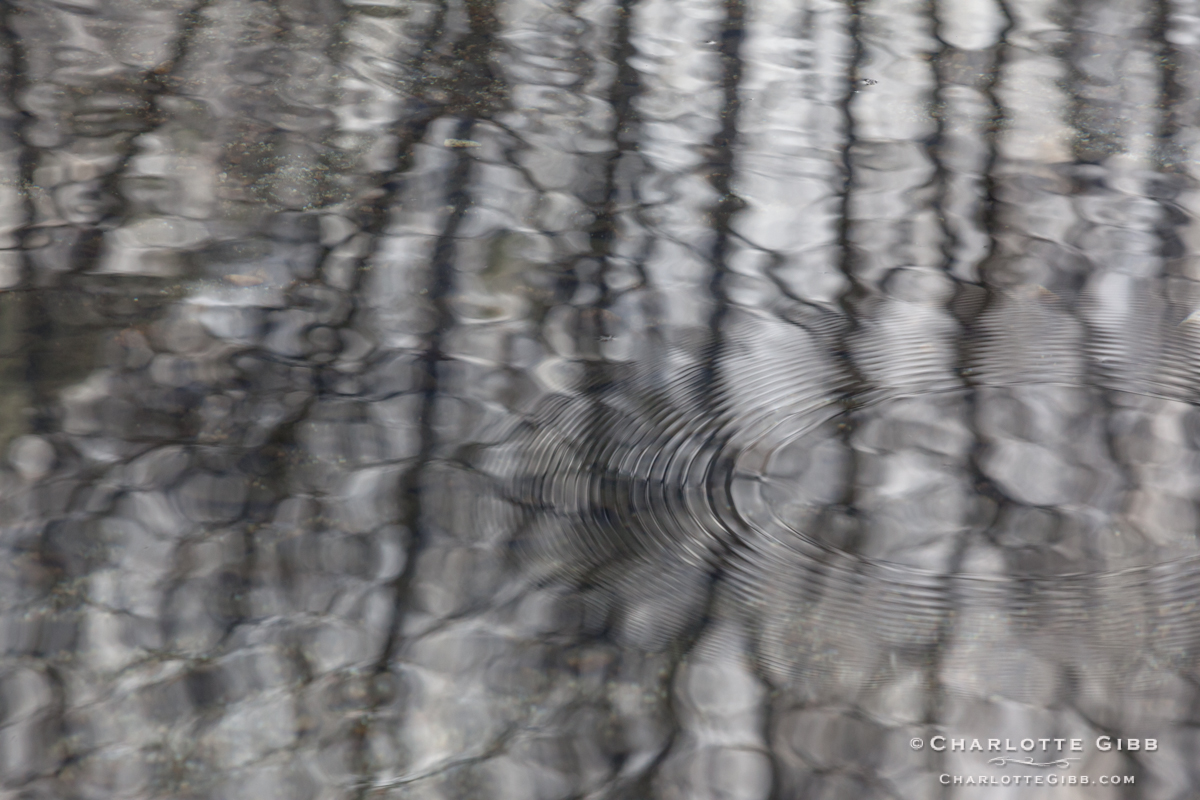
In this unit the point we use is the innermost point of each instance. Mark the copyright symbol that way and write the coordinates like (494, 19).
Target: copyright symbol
(915, 743)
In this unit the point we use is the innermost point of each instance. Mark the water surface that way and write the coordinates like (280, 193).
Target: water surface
(561, 400)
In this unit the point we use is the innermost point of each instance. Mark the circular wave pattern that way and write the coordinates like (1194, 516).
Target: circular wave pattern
(849, 527)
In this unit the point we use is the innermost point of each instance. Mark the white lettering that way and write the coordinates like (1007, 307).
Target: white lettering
(1027, 745)
(933, 743)
(1103, 743)
(1076, 745)
(1152, 744)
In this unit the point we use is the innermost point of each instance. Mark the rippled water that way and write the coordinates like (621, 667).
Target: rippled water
(625, 399)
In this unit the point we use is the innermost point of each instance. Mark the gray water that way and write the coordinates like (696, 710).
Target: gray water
(680, 399)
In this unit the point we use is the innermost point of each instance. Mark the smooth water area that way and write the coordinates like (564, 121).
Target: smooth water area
(599, 399)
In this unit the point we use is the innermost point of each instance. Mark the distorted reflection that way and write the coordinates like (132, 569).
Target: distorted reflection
(544, 400)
